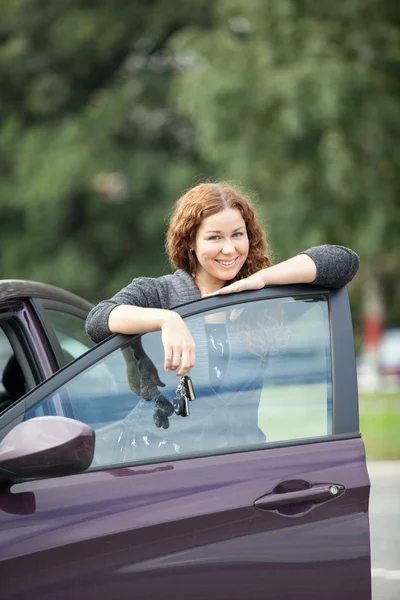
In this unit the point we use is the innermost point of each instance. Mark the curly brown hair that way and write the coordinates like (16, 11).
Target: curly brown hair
(200, 202)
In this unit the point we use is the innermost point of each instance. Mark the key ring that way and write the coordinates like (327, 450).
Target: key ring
(183, 394)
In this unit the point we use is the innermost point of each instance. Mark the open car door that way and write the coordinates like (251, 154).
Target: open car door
(260, 492)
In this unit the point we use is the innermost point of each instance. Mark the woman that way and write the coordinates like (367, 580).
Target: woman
(218, 246)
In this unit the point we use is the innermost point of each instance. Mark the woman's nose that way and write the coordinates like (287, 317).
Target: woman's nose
(228, 247)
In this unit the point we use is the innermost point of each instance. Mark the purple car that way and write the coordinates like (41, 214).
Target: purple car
(119, 481)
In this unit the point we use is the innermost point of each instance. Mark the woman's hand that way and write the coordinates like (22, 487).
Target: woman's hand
(254, 282)
(299, 269)
(179, 346)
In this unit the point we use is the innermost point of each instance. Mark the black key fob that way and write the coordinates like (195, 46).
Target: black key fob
(183, 395)
(187, 384)
(181, 406)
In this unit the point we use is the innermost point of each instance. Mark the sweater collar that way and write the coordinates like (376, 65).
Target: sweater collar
(191, 289)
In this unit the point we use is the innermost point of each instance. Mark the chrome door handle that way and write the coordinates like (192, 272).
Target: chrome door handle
(316, 494)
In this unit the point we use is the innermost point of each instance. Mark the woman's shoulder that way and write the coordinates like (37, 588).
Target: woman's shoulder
(172, 289)
(181, 288)
(178, 278)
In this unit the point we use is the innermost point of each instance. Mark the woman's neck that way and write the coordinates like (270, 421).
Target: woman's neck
(207, 284)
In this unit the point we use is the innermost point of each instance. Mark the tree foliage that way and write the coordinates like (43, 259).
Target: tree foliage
(108, 110)
(92, 151)
(300, 100)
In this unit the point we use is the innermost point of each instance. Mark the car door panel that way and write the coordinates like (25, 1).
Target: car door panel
(188, 527)
(119, 531)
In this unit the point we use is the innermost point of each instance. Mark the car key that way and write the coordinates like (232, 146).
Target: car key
(183, 395)
(188, 387)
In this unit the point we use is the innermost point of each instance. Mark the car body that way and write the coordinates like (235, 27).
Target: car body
(261, 492)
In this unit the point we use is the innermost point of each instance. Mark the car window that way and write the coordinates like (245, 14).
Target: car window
(12, 379)
(6, 352)
(262, 375)
(70, 332)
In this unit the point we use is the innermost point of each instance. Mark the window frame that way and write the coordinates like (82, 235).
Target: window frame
(21, 346)
(345, 419)
(41, 306)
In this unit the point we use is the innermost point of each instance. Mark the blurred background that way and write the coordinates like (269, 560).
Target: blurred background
(109, 110)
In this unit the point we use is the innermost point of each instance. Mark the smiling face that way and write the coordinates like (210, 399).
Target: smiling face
(221, 249)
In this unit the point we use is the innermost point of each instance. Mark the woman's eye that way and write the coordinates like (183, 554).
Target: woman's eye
(238, 234)
(214, 237)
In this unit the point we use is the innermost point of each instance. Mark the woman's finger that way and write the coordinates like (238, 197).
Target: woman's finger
(231, 289)
(185, 363)
(176, 359)
(168, 357)
(192, 357)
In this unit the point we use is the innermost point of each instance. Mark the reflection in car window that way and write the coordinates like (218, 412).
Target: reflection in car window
(70, 332)
(262, 374)
(6, 352)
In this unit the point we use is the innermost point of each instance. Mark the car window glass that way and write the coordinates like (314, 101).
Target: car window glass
(262, 374)
(6, 352)
(70, 332)
(12, 379)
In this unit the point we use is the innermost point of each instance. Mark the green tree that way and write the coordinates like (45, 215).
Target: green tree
(299, 101)
(92, 151)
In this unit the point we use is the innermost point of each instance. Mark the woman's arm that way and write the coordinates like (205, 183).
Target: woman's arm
(134, 319)
(136, 309)
(179, 346)
(139, 295)
(336, 265)
(327, 265)
(299, 269)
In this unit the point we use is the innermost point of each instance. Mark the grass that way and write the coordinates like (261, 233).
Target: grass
(290, 412)
(282, 416)
(380, 425)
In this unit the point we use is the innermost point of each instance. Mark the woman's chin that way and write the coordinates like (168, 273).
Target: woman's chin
(227, 275)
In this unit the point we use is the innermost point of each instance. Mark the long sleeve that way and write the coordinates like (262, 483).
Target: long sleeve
(167, 291)
(142, 292)
(336, 265)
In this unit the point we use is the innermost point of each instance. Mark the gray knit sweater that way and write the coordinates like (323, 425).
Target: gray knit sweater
(336, 266)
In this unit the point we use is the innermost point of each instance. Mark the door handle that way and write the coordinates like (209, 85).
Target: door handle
(316, 494)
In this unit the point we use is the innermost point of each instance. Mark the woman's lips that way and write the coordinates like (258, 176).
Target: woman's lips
(226, 264)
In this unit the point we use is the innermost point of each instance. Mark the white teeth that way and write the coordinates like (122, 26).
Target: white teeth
(226, 263)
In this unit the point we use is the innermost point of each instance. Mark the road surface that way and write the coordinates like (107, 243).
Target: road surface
(385, 529)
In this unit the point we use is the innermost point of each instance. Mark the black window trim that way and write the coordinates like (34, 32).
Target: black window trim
(41, 305)
(345, 412)
(22, 348)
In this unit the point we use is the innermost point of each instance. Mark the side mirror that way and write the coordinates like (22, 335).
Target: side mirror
(46, 447)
